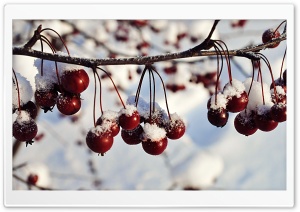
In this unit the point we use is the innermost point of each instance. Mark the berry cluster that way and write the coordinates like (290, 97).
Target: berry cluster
(141, 122)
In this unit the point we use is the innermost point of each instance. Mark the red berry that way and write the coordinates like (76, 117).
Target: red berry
(175, 129)
(170, 70)
(31, 108)
(132, 137)
(68, 104)
(270, 34)
(264, 122)
(156, 118)
(236, 104)
(32, 179)
(114, 128)
(280, 83)
(75, 81)
(155, 147)
(24, 130)
(217, 117)
(45, 98)
(99, 142)
(244, 123)
(278, 112)
(129, 121)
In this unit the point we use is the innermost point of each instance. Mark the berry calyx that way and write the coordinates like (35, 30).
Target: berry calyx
(129, 118)
(24, 128)
(68, 104)
(132, 137)
(46, 98)
(32, 179)
(244, 123)
(270, 34)
(75, 81)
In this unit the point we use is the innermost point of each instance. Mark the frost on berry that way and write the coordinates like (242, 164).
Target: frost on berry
(220, 103)
(255, 97)
(153, 133)
(235, 88)
(128, 110)
(25, 89)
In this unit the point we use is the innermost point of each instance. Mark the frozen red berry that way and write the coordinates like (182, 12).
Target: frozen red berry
(98, 141)
(270, 34)
(75, 81)
(129, 118)
(24, 128)
(244, 123)
(68, 104)
(132, 137)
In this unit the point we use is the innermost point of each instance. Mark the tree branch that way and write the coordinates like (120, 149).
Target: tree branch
(199, 50)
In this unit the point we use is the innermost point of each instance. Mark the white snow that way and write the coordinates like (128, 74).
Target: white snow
(234, 89)
(128, 110)
(25, 90)
(23, 117)
(255, 97)
(110, 115)
(220, 103)
(153, 132)
(198, 170)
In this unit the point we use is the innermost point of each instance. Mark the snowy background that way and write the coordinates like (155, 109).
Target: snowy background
(206, 157)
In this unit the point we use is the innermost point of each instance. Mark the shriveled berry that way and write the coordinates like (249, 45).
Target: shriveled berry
(270, 34)
(24, 131)
(45, 98)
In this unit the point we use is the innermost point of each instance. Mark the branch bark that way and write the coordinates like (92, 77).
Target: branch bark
(198, 51)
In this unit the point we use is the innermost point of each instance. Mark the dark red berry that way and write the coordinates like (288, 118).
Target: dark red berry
(236, 104)
(99, 142)
(68, 104)
(75, 81)
(284, 76)
(170, 70)
(175, 129)
(114, 127)
(24, 130)
(45, 98)
(244, 123)
(132, 137)
(270, 34)
(278, 112)
(156, 118)
(129, 122)
(280, 83)
(217, 117)
(264, 122)
(155, 147)
(31, 108)
(32, 179)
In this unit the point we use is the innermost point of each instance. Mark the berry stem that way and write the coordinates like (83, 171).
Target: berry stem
(150, 94)
(265, 59)
(165, 93)
(114, 86)
(42, 63)
(219, 70)
(18, 90)
(262, 85)
(153, 80)
(137, 95)
(100, 95)
(279, 26)
(227, 59)
(282, 65)
(62, 40)
(95, 93)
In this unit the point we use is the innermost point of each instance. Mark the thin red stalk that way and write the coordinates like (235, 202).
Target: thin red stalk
(279, 26)
(62, 40)
(253, 71)
(262, 86)
(42, 63)
(282, 65)
(95, 93)
(43, 38)
(18, 90)
(271, 73)
(150, 94)
(227, 59)
(100, 96)
(153, 80)
(165, 93)
(114, 86)
(219, 71)
(137, 95)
